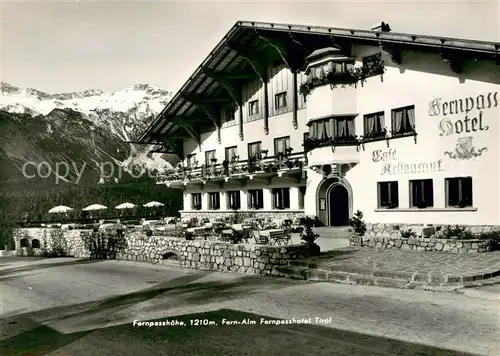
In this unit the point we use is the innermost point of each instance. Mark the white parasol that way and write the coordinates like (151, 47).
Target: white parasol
(125, 206)
(153, 204)
(60, 209)
(94, 207)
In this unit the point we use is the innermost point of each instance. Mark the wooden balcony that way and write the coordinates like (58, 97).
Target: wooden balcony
(286, 165)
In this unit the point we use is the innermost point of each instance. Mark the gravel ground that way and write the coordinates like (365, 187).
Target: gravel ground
(67, 307)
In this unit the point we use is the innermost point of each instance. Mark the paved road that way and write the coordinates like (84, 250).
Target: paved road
(66, 307)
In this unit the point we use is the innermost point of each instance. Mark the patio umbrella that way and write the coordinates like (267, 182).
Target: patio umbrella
(125, 206)
(60, 209)
(153, 204)
(94, 207)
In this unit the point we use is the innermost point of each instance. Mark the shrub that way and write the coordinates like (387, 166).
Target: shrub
(456, 232)
(357, 223)
(308, 235)
(408, 233)
(237, 218)
(491, 235)
(104, 244)
(236, 237)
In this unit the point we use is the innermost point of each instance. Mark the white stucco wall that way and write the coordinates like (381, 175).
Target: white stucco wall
(425, 79)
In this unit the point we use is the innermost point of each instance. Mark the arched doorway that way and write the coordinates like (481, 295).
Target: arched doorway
(338, 205)
(334, 201)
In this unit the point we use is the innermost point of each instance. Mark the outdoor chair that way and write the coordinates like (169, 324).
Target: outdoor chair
(277, 237)
(260, 240)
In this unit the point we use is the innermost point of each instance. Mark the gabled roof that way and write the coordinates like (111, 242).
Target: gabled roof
(249, 48)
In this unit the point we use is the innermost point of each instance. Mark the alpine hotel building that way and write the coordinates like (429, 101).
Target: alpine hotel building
(281, 120)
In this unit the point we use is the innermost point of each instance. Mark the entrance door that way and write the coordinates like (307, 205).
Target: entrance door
(338, 206)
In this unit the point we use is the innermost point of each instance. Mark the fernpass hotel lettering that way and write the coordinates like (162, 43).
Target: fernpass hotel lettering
(469, 123)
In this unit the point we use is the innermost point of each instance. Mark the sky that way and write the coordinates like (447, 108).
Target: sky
(65, 46)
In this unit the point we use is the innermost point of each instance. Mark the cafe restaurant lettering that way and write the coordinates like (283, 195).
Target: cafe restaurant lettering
(467, 124)
(391, 167)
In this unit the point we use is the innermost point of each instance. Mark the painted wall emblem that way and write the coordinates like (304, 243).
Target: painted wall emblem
(465, 150)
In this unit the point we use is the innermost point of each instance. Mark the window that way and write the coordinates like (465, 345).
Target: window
(421, 193)
(332, 128)
(254, 150)
(403, 120)
(35, 243)
(374, 125)
(24, 242)
(233, 200)
(281, 144)
(256, 199)
(253, 108)
(196, 201)
(280, 101)
(209, 156)
(191, 160)
(281, 198)
(302, 194)
(231, 154)
(214, 201)
(227, 115)
(459, 192)
(388, 195)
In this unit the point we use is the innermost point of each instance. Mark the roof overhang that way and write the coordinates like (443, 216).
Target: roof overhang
(248, 49)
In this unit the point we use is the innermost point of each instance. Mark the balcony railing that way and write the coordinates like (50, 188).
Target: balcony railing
(311, 143)
(227, 170)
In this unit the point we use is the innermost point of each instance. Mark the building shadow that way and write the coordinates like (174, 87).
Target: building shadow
(36, 267)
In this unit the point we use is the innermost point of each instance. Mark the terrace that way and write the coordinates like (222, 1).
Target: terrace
(289, 165)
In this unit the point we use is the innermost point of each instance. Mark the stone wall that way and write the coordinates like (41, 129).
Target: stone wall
(426, 238)
(420, 230)
(221, 214)
(213, 255)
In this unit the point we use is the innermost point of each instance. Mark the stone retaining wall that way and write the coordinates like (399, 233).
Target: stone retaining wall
(420, 230)
(213, 255)
(426, 238)
(423, 244)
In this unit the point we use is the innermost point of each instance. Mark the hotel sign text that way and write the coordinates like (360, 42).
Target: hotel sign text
(392, 167)
(468, 123)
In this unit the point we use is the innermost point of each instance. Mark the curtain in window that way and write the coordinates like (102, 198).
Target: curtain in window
(328, 128)
(411, 118)
(370, 124)
(380, 122)
(397, 121)
(320, 129)
(341, 128)
(351, 130)
(280, 146)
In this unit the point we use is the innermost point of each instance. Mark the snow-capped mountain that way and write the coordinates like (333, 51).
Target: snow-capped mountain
(90, 126)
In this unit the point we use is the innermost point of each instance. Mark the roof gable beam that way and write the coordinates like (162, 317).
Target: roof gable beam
(258, 65)
(227, 76)
(186, 126)
(392, 51)
(208, 110)
(229, 85)
(454, 59)
(342, 44)
(172, 145)
(291, 56)
(192, 98)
